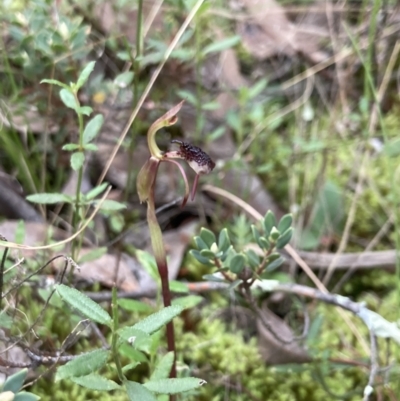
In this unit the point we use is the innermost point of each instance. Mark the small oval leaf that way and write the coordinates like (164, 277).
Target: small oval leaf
(96, 382)
(237, 263)
(208, 237)
(68, 99)
(285, 223)
(77, 160)
(174, 386)
(92, 128)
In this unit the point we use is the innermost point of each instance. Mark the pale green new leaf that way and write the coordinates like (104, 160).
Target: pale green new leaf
(84, 304)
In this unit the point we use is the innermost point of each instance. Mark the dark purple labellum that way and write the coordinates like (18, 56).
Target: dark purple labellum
(196, 157)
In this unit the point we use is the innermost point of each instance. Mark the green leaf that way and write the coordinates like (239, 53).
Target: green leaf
(177, 286)
(285, 238)
(207, 254)
(69, 147)
(275, 263)
(208, 237)
(256, 89)
(264, 243)
(83, 365)
(200, 243)
(54, 82)
(93, 255)
(84, 304)
(49, 199)
(77, 160)
(133, 305)
(187, 96)
(109, 204)
(224, 44)
(5, 321)
(92, 128)
(90, 147)
(15, 382)
(155, 321)
(96, 191)
(85, 110)
(163, 368)
(269, 222)
(96, 382)
(237, 263)
(131, 334)
(83, 77)
(69, 99)
(196, 254)
(285, 223)
(234, 284)
(137, 392)
(174, 386)
(253, 258)
(224, 241)
(124, 79)
(25, 396)
(187, 302)
(274, 234)
(214, 278)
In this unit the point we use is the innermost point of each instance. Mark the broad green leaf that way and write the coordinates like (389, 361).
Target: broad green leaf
(196, 254)
(83, 365)
(96, 382)
(85, 110)
(137, 392)
(221, 45)
(187, 302)
(269, 222)
(124, 79)
(77, 160)
(90, 147)
(109, 204)
(92, 128)
(69, 99)
(70, 147)
(163, 368)
(285, 223)
(93, 255)
(224, 241)
(96, 191)
(25, 396)
(174, 386)
(207, 254)
(83, 77)
(200, 243)
(237, 263)
(134, 305)
(84, 304)
(274, 263)
(49, 199)
(208, 237)
(154, 322)
(285, 238)
(54, 82)
(131, 334)
(15, 382)
(253, 258)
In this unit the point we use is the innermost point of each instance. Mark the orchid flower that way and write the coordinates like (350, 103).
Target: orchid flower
(201, 163)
